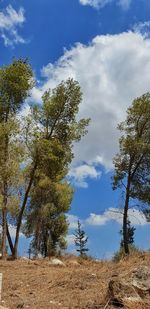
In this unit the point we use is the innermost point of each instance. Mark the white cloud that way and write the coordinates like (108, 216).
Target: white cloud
(73, 221)
(79, 174)
(112, 70)
(95, 3)
(142, 28)
(70, 239)
(135, 216)
(98, 4)
(125, 4)
(10, 20)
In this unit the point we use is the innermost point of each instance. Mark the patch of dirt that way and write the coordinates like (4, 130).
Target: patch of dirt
(38, 285)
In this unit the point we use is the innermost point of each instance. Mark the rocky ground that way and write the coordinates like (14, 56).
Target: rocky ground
(38, 284)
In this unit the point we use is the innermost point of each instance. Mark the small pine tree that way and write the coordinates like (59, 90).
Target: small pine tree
(133, 249)
(81, 240)
(131, 230)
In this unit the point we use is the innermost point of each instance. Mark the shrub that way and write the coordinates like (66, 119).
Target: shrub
(120, 254)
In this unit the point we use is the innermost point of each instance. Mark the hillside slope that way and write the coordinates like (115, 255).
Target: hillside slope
(79, 284)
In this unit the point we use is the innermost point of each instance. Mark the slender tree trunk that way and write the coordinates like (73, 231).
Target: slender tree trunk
(20, 216)
(125, 217)
(4, 232)
(10, 240)
(5, 195)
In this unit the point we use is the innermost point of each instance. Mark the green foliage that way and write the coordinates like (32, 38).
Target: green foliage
(52, 128)
(134, 156)
(132, 164)
(35, 153)
(131, 230)
(46, 220)
(81, 240)
(16, 80)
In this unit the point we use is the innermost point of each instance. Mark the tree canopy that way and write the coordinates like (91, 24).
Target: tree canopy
(132, 163)
(35, 153)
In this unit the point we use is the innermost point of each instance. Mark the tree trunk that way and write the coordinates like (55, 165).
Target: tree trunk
(5, 195)
(20, 216)
(10, 240)
(4, 232)
(125, 217)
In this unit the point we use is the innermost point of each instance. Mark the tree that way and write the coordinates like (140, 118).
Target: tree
(15, 84)
(131, 231)
(50, 133)
(46, 221)
(81, 240)
(132, 164)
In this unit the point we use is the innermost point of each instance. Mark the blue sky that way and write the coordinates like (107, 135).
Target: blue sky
(105, 45)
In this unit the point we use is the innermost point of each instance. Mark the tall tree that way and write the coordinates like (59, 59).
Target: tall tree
(50, 133)
(132, 164)
(81, 240)
(15, 84)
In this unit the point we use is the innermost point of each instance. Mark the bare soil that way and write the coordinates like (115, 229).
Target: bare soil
(36, 284)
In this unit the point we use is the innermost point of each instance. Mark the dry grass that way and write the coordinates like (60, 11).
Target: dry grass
(37, 284)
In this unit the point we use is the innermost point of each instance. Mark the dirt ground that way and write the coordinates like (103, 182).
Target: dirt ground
(38, 285)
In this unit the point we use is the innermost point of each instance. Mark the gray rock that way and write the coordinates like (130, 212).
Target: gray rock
(132, 288)
(119, 292)
(141, 278)
(56, 262)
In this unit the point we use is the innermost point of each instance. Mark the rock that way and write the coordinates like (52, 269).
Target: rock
(55, 303)
(119, 292)
(141, 279)
(26, 259)
(56, 262)
(39, 256)
(133, 288)
(2, 307)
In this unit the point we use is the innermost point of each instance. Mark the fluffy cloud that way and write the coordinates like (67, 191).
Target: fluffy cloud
(73, 221)
(95, 3)
(135, 216)
(124, 4)
(10, 20)
(79, 174)
(112, 70)
(142, 28)
(70, 239)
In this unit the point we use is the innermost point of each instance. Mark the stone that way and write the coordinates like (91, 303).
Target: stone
(25, 258)
(56, 262)
(119, 292)
(132, 288)
(141, 278)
